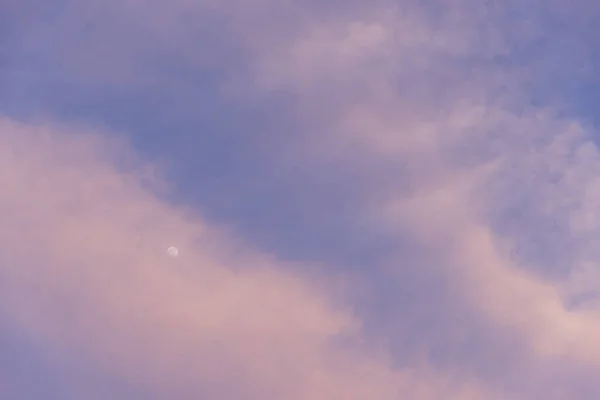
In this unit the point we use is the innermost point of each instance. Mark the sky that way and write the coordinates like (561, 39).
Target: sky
(371, 200)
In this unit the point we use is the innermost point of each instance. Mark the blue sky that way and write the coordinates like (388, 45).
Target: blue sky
(376, 199)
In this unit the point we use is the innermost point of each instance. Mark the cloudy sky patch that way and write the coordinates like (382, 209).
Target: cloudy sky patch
(382, 200)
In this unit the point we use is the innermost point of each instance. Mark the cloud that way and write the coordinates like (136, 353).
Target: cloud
(86, 277)
(481, 175)
(476, 204)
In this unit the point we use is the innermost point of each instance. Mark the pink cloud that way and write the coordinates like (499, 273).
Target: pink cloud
(384, 94)
(83, 253)
(383, 88)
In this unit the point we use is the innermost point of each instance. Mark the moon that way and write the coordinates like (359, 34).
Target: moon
(172, 251)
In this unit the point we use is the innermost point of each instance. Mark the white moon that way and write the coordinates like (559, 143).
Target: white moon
(172, 251)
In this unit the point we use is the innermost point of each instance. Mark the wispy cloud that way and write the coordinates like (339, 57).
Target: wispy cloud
(486, 173)
(472, 202)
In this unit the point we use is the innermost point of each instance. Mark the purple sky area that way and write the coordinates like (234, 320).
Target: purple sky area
(372, 200)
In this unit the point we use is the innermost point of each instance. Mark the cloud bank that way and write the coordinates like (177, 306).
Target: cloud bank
(472, 201)
(86, 276)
